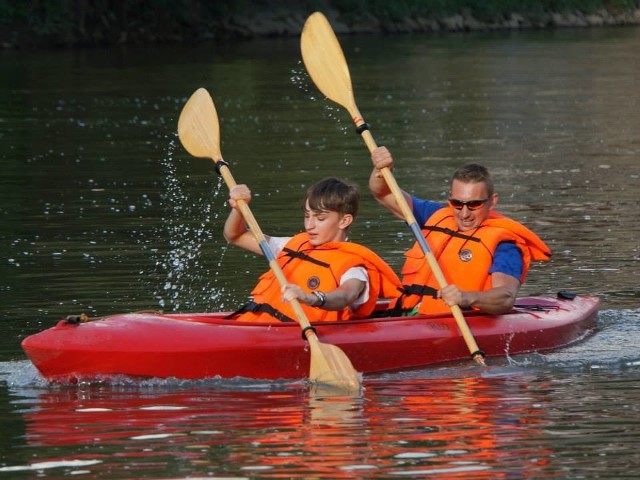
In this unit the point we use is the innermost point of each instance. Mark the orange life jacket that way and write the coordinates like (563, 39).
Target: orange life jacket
(465, 258)
(319, 268)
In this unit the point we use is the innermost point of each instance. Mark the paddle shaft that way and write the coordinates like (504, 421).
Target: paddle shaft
(329, 364)
(266, 251)
(324, 59)
(476, 353)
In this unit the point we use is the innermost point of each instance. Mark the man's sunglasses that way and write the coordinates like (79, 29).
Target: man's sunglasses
(471, 204)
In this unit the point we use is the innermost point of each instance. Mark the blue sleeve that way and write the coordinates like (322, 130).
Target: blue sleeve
(508, 260)
(423, 209)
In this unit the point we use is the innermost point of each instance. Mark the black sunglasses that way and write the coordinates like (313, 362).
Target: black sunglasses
(471, 204)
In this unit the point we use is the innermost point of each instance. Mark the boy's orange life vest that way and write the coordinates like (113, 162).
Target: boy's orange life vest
(320, 268)
(465, 258)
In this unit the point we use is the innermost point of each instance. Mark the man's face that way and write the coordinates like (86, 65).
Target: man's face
(467, 218)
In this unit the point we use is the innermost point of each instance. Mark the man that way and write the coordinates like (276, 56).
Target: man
(484, 256)
(333, 279)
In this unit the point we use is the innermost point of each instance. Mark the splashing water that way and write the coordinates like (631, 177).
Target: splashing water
(300, 78)
(189, 282)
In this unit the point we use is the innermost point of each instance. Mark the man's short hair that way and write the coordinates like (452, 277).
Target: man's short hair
(474, 173)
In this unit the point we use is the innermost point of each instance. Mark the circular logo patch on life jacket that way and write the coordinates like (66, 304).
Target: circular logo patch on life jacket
(313, 283)
(465, 255)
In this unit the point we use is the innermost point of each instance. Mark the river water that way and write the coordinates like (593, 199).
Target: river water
(103, 212)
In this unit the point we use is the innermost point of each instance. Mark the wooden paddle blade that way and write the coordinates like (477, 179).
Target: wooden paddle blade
(198, 126)
(331, 366)
(325, 62)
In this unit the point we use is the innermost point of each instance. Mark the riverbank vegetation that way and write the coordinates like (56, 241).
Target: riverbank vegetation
(69, 23)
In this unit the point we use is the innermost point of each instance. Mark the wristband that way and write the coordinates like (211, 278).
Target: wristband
(322, 297)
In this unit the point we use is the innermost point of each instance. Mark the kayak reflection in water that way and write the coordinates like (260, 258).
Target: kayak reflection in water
(484, 255)
(332, 278)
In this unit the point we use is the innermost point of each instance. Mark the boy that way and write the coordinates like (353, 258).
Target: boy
(333, 279)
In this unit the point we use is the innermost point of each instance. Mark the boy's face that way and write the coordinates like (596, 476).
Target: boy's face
(325, 226)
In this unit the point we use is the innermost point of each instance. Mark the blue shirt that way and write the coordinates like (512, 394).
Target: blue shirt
(507, 258)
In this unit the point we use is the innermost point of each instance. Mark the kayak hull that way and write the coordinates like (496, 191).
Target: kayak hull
(206, 345)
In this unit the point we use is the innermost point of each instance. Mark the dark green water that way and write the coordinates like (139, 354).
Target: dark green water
(102, 211)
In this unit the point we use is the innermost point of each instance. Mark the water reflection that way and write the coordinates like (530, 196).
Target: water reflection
(393, 429)
(447, 427)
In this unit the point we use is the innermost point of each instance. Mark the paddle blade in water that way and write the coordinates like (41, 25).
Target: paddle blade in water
(325, 62)
(331, 366)
(198, 126)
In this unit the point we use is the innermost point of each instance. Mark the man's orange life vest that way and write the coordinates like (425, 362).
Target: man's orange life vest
(465, 258)
(319, 268)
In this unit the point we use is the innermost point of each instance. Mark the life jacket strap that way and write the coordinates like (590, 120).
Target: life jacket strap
(254, 307)
(422, 290)
(304, 256)
(397, 310)
(451, 233)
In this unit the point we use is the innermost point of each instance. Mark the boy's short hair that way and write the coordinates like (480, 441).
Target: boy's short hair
(334, 195)
(474, 173)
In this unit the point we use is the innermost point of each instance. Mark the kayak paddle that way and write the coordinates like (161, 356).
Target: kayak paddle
(199, 132)
(327, 67)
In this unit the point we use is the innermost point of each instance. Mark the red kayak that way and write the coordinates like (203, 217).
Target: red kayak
(202, 345)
